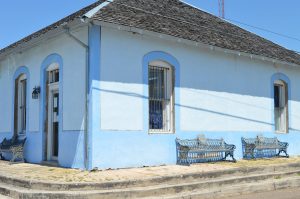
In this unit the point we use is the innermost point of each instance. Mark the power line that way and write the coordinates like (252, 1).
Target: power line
(263, 29)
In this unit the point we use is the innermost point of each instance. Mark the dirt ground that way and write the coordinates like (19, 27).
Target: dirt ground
(55, 174)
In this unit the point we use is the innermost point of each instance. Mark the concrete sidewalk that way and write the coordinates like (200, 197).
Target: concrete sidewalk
(63, 175)
(277, 194)
(208, 181)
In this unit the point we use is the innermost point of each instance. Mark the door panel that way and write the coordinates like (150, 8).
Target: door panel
(55, 125)
(53, 122)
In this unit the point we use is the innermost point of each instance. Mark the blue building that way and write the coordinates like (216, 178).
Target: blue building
(120, 80)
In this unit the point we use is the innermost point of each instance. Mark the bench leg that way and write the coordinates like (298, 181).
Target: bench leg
(283, 151)
(13, 158)
(17, 152)
(252, 154)
(249, 152)
(229, 154)
(182, 158)
(187, 159)
(16, 156)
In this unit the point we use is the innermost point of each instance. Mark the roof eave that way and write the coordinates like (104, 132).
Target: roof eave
(93, 11)
(194, 43)
(19, 48)
(39, 35)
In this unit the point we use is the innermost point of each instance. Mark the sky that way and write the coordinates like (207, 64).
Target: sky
(20, 18)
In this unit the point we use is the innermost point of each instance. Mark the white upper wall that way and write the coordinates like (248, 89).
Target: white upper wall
(74, 62)
(218, 91)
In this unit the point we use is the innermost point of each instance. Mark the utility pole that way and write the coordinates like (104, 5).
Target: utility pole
(222, 8)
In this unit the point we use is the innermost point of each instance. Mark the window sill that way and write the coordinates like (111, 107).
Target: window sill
(161, 132)
(281, 132)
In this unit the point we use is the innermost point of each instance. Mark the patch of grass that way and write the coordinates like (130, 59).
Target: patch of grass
(277, 177)
(108, 179)
(80, 179)
(261, 162)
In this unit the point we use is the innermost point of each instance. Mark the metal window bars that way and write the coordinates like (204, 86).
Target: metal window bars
(160, 90)
(280, 107)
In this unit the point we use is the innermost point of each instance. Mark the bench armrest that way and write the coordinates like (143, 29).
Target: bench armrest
(230, 146)
(182, 145)
(283, 144)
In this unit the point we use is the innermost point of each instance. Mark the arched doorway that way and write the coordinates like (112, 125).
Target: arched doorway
(51, 107)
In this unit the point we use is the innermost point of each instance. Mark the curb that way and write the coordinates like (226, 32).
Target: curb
(33, 184)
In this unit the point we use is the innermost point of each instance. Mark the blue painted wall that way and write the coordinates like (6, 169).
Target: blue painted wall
(226, 79)
(71, 149)
(71, 143)
(118, 67)
(143, 149)
(137, 149)
(71, 58)
(34, 147)
(94, 94)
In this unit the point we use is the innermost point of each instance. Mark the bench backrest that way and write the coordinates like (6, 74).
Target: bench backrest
(19, 141)
(14, 141)
(199, 143)
(259, 140)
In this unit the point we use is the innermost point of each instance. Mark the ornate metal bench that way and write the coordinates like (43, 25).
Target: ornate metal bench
(203, 150)
(262, 147)
(15, 145)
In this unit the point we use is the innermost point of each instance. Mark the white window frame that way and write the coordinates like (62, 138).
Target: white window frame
(281, 119)
(168, 115)
(21, 104)
(53, 87)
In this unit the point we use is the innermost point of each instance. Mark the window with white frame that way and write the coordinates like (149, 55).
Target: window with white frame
(53, 76)
(20, 104)
(53, 73)
(161, 97)
(281, 106)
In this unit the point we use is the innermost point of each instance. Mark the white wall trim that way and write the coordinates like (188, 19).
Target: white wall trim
(194, 43)
(41, 39)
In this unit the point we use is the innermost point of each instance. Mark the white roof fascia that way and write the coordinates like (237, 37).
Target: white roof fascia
(194, 43)
(93, 11)
(44, 37)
